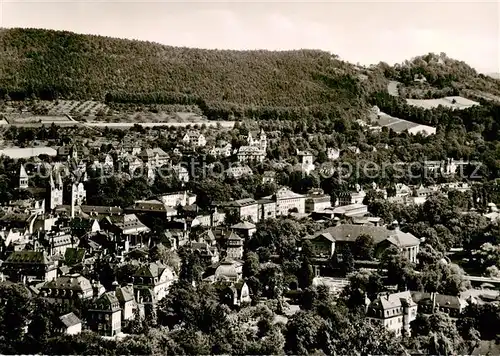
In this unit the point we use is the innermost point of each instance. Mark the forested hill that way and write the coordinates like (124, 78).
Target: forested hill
(443, 76)
(50, 63)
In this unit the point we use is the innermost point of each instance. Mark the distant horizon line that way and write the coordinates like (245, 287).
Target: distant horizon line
(492, 74)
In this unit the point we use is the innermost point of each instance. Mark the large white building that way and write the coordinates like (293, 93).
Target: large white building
(317, 201)
(246, 209)
(179, 198)
(288, 201)
(251, 154)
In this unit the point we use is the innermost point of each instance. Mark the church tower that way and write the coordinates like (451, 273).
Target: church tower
(73, 199)
(250, 139)
(262, 140)
(55, 192)
(23, 178)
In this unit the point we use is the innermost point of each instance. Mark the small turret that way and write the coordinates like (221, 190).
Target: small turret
(23, 178)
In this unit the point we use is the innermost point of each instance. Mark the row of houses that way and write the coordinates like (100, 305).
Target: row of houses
(396, 311)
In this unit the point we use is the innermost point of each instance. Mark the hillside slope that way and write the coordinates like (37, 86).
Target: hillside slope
(436, 75)
(54, 63)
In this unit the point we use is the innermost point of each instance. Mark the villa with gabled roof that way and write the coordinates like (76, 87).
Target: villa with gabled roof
(155, 277)
(104, 316)
(383, 238)
(393, 311)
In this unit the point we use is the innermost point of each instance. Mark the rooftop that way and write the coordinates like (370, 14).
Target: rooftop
(70, 319)
(349, 232)
(75, 282)
(245, 225)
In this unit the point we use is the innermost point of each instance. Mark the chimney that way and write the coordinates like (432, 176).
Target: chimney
(433, 300)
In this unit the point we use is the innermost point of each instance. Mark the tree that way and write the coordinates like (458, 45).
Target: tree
(191, 267)
(15, 309)
(251, 264)
(484, 318)
(361, 337)
(362, 284)
(166, 256)
(398, 268)
(279, 235)
(343, 259)
(444, 278)
(231, 218)
(364, 247)
(42, 325)
(272, 281)
(443, 337)
(302, 333)
(79, 344)
(306, 274)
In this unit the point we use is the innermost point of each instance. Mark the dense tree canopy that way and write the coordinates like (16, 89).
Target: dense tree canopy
(51, 64)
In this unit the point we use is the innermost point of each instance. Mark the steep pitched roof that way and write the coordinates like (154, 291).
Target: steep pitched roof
(394, 300)
(28, 257)
(70, 320)
(107, 302)
(125, 294)
(207, 235)
(73, 282)
(324, 235)
(245, 225)
(153, 270)
(22, 172)
(442, 300)
(402, 239)
(74, 256)
(232, 236)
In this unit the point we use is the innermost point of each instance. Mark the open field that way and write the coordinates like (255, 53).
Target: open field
(81, 108)
(71, 112)
(454, 102)
(147, 117)
(38, 121)
(127, 125)
(46, 112)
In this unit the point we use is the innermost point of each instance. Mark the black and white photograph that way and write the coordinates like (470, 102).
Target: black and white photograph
(249, 177)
